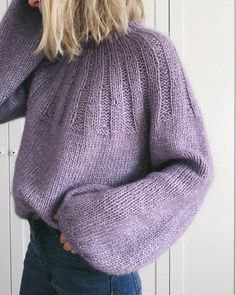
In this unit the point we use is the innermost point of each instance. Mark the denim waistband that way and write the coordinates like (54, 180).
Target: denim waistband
(36, 222)
(33, 216)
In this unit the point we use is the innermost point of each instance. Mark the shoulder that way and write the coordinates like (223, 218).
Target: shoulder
(159, 54)
(166, 70)
(158, 51)
(157, 44)
(146, 32)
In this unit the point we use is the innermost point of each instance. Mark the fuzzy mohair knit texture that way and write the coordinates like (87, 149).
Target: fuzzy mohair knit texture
(114, 141)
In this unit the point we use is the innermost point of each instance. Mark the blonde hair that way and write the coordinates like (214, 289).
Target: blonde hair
(68, 24)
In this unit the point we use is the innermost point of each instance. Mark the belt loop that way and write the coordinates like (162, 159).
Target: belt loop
(29, 217)
(35, 216)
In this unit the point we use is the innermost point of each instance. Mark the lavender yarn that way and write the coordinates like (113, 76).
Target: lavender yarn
(113, 141)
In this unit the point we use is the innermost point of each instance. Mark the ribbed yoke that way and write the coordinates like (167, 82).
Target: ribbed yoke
(114, 141)
(97, 92)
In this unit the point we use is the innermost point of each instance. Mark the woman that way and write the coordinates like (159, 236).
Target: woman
(114, 161)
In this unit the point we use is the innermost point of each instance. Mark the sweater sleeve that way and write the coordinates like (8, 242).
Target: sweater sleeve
(120, 229)
(20, 32)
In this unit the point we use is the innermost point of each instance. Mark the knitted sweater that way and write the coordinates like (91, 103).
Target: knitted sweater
(113, 141)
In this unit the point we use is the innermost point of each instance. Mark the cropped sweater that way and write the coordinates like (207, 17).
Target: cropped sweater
(113, 141)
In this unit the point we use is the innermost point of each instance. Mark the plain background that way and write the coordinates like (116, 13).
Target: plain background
(202, 261)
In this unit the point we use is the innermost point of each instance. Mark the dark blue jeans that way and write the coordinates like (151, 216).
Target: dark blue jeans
(49, 269)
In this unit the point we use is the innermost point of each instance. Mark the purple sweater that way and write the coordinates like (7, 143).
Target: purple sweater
(113, 141)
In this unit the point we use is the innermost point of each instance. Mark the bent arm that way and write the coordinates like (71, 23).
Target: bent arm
(120, 229)
(20, 32)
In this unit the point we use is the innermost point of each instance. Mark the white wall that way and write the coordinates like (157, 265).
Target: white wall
(202, 261)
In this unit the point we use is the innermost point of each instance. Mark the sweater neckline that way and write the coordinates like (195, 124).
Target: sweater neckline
(133, 24)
